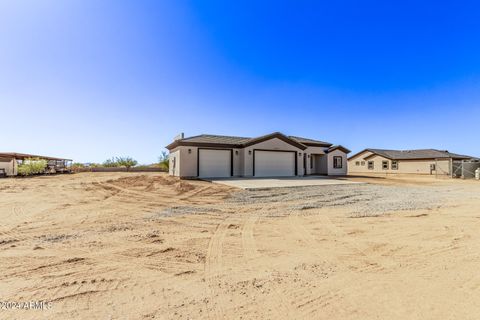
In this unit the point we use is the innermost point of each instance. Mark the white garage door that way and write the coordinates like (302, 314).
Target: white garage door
(274, 164)
(214, 163)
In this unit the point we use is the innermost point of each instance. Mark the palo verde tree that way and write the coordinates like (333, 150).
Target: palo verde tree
(127, 162)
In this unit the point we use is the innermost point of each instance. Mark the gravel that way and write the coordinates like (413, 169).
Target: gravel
(362, 200)
(359, 200)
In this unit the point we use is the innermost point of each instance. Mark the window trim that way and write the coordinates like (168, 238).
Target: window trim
(394, 165)
(371, 163)
(385, 165)
(335, 165)
(357, 163)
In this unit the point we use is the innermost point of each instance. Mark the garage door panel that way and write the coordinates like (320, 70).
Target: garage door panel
(274, 163)
(214, 163)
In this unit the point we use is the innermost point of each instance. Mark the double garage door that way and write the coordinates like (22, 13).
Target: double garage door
(218, 163)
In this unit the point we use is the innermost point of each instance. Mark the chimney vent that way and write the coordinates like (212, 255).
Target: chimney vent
(179, 136)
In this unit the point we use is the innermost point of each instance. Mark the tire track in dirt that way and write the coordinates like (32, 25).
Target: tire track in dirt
(213, 269)
(250, 253)
(300, 230)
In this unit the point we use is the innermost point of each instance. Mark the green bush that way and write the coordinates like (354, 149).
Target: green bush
(127, 162)
(110, 163)
(32, 166)
(163, 161)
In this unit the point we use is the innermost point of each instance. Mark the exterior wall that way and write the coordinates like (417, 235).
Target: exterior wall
(353, 168)
(187, 162)
(404, 166)
(337, 171)
(10, 166)
(272, 144)
(315, 161)
(174, 163)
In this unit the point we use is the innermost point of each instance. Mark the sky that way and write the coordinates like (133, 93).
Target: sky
(90, 79)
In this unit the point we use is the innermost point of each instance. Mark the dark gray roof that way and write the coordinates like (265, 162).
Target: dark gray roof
(210, 138)
(416, 154)
(338, 147)
(240, 142)
(310, 141)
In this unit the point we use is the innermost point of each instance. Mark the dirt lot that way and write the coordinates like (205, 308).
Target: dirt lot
(147, 246)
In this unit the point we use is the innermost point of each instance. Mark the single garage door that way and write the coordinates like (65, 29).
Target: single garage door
(214, 163)
(274, 163)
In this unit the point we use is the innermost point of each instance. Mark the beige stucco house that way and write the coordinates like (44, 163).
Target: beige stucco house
(9, 162)
(272, 155)
(422, 161)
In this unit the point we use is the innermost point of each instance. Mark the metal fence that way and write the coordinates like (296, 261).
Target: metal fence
(464, 169)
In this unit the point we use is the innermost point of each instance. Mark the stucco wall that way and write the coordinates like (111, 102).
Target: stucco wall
(337, 171)
(272, 144)
(404, 166)
(188, 161)
(10, 166)
(174, 158)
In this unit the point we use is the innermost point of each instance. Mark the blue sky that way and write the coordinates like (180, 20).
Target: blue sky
(90, 79)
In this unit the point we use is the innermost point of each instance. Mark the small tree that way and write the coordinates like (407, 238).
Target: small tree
(163, 160)
(110, 162)
(127, 162)
(32, 166)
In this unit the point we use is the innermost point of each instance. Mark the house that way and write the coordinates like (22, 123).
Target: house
(9, 162)
(422, 161)
(272, 155)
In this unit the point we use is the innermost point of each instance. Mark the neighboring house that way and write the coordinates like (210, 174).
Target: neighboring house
(9, 162)
(273, 155)
(423, 161)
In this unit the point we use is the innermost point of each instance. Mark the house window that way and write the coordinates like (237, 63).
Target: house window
(337, 163)
(363, 163)
(370, 165)
(357, 163)
(394, 165)
(385, 165)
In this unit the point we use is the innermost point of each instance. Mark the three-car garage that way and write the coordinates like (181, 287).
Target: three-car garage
(273, 155)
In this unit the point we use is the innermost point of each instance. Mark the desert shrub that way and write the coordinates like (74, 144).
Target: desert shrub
(163, 161)
(127, 162)
(110, 163)
(32, 166)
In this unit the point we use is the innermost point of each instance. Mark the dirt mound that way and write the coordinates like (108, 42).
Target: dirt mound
(152, 184)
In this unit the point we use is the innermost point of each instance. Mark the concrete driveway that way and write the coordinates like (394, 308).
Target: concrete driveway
(282, 182)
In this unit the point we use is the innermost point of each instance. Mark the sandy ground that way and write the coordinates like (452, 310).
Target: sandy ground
(148, 246)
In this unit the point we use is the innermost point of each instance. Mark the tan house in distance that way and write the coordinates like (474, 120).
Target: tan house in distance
(272, 155)
(9, 162)
(422, 161)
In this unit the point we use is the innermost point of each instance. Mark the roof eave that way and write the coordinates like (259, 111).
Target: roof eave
(278, 135)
